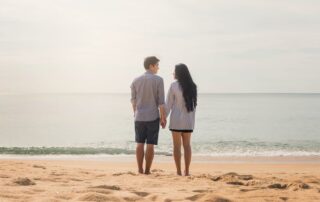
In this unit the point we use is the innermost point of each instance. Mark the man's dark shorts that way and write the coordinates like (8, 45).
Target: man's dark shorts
(147, 131)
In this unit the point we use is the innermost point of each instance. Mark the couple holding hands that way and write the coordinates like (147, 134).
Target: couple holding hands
(151, 110)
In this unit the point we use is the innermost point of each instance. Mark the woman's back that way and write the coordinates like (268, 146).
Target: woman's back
(180, 118)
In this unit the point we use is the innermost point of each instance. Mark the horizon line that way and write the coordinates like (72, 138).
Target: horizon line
(123, 93)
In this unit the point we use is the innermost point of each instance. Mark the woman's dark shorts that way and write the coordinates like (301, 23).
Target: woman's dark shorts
(147, 131)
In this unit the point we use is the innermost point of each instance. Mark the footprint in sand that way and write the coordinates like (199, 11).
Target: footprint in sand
(142, 194)
(57, 174)
(84, 172)
(136, 198)
(95, 190)
(157, 171)
(200, 191)
(284, 198)
(98, 197)
(23, 181)
(208, 197)
(65, 196)
(206, 176)
(313, 181)
(9, 196)
(39, 166)
(235, 183)
(125, 173)
(278, 186)
(195, 197)
(232, 176)
(111, 187)
(101, 175)
(38, 190)
(75, 179)
(299, 186)
(254, 183)
(247, 190)
(4, 176)
(152, 198)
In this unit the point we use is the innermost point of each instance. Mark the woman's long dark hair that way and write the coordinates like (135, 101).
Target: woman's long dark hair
(189, 88)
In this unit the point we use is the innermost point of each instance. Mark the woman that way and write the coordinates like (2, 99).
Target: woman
(181, 102)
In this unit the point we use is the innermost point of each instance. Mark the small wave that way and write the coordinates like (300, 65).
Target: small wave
(67, 150)
(213, 148)
(260, 154)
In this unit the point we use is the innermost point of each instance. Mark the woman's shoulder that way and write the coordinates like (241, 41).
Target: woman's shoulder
(174, 84)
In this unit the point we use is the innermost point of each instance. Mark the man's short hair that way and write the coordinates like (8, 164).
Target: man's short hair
(151, 60)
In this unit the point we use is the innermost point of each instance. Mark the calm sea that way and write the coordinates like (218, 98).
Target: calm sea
(226, 125)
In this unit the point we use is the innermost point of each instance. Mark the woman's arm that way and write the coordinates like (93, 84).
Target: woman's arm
(169, 101)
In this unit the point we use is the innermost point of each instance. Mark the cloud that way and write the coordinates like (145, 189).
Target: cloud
(87, 46)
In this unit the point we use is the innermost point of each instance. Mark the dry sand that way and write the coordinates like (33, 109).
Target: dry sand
(112, 180)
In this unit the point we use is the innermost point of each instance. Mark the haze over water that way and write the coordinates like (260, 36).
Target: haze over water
(226, 124)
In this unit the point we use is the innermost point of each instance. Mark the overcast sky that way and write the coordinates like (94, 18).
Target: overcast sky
(99, 46)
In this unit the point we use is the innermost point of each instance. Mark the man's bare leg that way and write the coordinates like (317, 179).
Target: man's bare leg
(149, 157)
(140, 156)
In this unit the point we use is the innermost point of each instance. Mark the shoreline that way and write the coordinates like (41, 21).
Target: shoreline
(168, 159)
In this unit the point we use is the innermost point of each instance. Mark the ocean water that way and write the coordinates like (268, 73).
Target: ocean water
(226, 125)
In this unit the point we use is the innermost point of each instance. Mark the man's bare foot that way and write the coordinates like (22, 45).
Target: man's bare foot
(186, 173)
(147, 172)
(179, 173)
(140, 171)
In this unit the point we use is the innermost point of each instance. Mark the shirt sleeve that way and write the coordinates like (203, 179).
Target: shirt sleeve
(169, 101)
(161, 93)
(133, 94)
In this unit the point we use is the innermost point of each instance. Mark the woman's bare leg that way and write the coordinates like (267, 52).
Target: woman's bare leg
(187, 151)
(176, 137)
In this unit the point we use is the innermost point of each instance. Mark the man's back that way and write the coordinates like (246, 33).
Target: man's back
(147, 93)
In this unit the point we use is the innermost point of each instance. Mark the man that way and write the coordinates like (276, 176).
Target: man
(147, 98)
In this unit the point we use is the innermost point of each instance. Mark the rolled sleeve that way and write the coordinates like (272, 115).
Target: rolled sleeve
(161, 93)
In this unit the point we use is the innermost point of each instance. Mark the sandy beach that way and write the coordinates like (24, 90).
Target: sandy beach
(116, 179)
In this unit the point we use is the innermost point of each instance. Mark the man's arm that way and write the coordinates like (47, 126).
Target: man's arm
(161, 103)
(133, 99)
(134, 106)
(163, 116)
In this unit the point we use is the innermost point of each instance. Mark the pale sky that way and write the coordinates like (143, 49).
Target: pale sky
(53, 46)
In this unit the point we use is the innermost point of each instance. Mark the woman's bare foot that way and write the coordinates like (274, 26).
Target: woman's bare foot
(140, 171)
(186, 173)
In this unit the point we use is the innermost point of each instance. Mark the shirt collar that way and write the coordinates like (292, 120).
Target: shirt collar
(148, 72)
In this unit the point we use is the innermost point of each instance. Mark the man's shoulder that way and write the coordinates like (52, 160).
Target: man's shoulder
(149, 76)
(158, 77)
(137, 78)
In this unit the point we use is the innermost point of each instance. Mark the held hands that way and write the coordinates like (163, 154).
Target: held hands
(163, 122)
